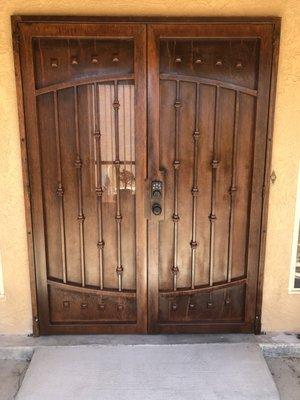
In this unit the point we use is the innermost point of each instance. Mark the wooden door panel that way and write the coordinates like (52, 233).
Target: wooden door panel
(59, 60)
(210, 82)
(73, 306)
(91, 268)
(204, 308)
(236, 61)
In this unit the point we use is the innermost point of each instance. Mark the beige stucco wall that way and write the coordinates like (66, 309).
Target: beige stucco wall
(281, 311)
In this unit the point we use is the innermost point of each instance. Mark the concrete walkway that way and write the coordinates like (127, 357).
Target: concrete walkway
(150, 372)
(11, 375)
(286, 374)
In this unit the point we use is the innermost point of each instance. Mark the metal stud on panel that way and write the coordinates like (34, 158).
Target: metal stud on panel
(54, 62)
(209, 304)
(74, 61)
(66, 304)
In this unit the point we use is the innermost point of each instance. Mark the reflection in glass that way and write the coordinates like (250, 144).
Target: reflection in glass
(126, 132)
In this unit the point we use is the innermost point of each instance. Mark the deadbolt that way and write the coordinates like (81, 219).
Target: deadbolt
(156, 209)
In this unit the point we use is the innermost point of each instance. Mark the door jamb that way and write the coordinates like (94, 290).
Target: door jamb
(25, 174)
(267, 171)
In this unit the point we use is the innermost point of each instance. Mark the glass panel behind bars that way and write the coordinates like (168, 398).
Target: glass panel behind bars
(109, 179)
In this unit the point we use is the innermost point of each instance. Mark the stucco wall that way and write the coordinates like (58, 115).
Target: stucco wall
(281, 311)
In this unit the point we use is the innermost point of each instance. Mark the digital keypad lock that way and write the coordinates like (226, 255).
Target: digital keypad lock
(156, 189)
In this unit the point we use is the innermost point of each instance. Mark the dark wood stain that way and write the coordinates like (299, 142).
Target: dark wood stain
(104, 111)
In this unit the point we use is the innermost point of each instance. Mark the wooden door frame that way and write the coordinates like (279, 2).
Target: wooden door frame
(18, 20)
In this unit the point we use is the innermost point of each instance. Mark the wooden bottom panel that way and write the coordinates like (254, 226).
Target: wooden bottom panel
(70, 306)
(224, 306)
(203, 328)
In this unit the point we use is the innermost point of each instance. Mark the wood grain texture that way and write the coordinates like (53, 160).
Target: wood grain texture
(64, 73)
(233, 77)
(208, 118)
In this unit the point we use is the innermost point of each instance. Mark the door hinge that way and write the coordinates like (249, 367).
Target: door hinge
(273, 177)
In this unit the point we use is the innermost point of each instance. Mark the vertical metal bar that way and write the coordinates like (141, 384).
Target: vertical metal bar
(111, 124)
(131, 119)
(78, 166)
(124, 136)
(116, 106)
(233, 187)
(98, 181)
(60, 192)
(196, 135)
(176, 165)
(214, 164)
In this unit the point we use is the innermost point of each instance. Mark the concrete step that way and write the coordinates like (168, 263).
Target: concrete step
(214, 371)
(21, 347)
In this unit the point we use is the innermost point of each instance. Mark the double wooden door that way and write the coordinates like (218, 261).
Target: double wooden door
(146, 152)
